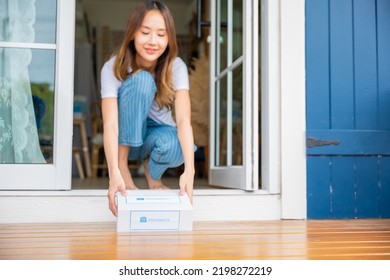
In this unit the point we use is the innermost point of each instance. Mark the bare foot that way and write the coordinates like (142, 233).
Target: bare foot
(133, 188)
(153, 184)
(159, 186)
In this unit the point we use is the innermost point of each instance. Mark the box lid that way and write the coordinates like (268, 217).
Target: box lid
(153, 200)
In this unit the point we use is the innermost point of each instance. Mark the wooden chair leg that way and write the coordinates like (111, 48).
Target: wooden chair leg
(95, 161)
(79, 164)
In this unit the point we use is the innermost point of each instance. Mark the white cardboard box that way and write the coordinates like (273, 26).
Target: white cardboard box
(154, 210)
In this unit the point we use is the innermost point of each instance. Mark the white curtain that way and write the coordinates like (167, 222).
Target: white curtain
(19, 142)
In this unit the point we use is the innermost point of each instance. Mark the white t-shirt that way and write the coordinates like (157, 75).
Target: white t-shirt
(110, 85)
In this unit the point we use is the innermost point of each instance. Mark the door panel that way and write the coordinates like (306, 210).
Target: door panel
(348, 128)
(383, 29)
(343, 187)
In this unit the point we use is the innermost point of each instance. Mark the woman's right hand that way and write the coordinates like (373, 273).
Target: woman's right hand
(116, 184)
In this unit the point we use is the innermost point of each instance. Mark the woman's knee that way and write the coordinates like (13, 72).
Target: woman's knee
(168, 150)
(144, 84)
(137, 87)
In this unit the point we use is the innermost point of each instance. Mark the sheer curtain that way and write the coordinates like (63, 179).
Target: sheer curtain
(19, 141)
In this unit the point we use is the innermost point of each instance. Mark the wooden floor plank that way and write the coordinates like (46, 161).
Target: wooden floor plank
(330, 239)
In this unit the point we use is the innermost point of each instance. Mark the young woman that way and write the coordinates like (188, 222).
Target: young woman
(140, 84)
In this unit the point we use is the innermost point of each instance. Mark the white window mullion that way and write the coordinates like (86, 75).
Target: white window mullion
(28, 45)
(255, 98)
(229, 111)
(217, 85)
(64, 89)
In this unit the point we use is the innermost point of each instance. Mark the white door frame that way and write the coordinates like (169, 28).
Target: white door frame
(293, 109)
(283, 113)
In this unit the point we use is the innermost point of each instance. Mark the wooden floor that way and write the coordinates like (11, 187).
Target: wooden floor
(271, 240)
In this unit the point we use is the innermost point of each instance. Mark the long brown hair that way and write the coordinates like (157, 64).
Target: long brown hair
(125, 55)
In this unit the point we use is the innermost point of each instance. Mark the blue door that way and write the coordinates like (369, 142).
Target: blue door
(348, 108)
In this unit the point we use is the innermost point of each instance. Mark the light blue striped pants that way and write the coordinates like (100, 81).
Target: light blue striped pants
(146, 138)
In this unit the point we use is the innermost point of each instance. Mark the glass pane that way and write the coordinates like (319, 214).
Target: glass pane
(26, 105)
(237, 157)
(222, 46)
(221, 125)
(27, 21)
(237, 29)
(45, 23)
(42, 79)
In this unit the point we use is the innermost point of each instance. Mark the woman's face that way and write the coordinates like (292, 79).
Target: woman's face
(151, 40)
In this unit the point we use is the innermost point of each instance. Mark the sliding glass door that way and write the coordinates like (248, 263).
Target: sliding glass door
(36, 93)
(234, 94)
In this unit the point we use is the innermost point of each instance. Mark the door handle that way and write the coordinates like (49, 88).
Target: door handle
(312, 142)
